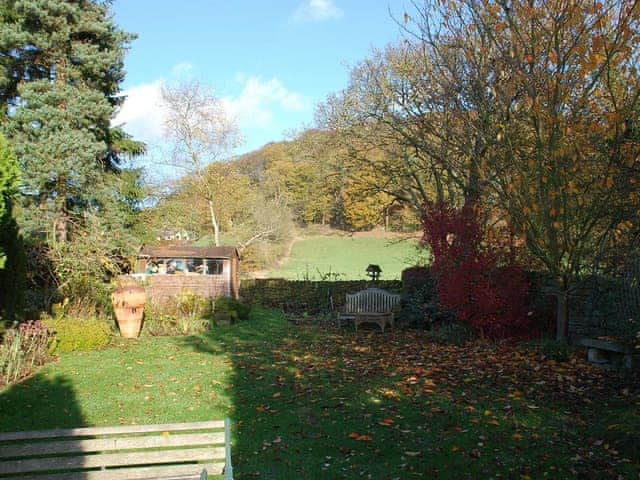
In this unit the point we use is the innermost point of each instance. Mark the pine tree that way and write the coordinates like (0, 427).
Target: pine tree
(61, 64)
(12, 260)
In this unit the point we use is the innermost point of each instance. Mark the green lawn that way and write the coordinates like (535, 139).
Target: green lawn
(317, 403)
(313, 257)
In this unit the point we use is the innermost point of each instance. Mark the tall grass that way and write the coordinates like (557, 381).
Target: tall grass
(22, 350)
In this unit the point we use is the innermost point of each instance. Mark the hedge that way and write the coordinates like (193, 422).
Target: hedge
(312, 297)
(589, 315)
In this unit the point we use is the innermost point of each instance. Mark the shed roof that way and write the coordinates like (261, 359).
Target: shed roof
(186, 251)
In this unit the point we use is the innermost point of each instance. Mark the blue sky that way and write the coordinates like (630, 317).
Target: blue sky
(270, 62)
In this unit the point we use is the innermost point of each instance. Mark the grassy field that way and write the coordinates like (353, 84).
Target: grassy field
(311, 403)
(345, 257)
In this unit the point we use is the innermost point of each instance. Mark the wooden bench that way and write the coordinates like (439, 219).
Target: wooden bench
(372, 305)
(171, 451)
(608, 354)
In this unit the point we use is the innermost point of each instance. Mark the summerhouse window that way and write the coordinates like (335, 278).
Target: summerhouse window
(195, 265)
(214, 267)
(201, 266)
(175, 265)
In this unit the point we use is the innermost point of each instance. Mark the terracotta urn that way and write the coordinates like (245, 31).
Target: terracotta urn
(128, 304)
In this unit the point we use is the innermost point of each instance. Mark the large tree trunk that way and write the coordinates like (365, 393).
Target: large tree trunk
(214, 224)
(562, 318)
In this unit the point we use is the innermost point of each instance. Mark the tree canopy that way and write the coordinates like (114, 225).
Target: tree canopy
(61, 66)
(527, 110)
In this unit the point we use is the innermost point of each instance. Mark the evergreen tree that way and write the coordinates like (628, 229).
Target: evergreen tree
(12, 261)
(61, 64)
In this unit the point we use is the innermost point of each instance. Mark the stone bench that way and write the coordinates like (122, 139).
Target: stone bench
(135, 452)
(609, 354)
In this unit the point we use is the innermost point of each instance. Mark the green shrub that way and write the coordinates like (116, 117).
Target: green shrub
(192, 325)
(189, 304)
(157, 322)
(73, 334)
(236, 309)
(189, 315)
(558, 350)
(450, 333)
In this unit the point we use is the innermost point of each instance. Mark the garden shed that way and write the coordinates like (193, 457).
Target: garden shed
(207, 271)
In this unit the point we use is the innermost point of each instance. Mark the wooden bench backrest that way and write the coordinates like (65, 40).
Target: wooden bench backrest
(122, 452)
(371, 300)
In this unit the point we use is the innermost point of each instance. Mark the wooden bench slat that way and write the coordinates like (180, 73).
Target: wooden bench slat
(95, 431)
(140, 473)
(107, 444)
(111, 460)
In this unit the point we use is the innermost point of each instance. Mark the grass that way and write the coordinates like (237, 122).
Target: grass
(325, 404)
(345, 257)
(153, 380)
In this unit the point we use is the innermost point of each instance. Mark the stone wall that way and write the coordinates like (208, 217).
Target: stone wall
(595, 310)
(593, 306)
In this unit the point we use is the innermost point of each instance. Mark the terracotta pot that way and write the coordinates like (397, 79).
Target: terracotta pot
(129, 321)
(128, 304)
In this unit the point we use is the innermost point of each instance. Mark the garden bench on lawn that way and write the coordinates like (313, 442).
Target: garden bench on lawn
(372, 305)
(134, 452)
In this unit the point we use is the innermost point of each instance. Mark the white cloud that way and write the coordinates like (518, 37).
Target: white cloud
(182, 69)
(142, 113)
(316, 11)
(262, 108)
(259, 100)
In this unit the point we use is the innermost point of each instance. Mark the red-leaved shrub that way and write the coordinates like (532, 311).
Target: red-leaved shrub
(479, 281)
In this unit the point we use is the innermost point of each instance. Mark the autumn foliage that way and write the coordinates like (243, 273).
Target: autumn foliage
(478, 280)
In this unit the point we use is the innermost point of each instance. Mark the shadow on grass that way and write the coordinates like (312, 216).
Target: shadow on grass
(40, 403)
(301, 412)
(318, 403)
(321, 404)
(291, 411)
